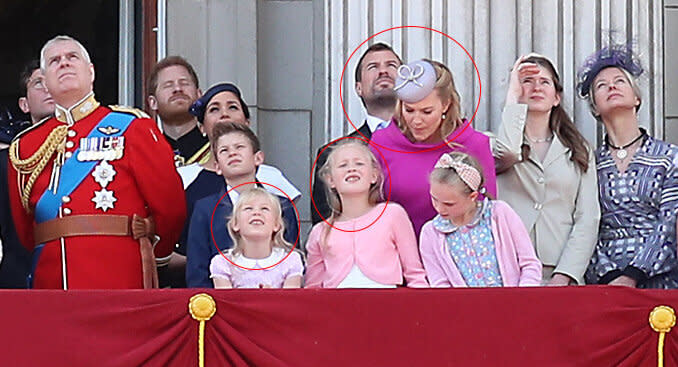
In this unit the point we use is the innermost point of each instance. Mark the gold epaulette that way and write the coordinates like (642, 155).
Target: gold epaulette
(32, 166)
(131, 110)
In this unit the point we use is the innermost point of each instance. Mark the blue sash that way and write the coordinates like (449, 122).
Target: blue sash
(73, 172)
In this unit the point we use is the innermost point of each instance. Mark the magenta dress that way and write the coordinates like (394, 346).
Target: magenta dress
(409, 171)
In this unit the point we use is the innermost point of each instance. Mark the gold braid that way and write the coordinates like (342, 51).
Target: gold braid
(35, 164)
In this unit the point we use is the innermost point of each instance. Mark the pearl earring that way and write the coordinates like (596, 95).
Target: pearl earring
(443, 116)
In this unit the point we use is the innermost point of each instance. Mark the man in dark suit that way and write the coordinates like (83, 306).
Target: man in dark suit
(35, 101)
(374, 81)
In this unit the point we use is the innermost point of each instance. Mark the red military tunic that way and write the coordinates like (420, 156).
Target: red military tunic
(145, 183)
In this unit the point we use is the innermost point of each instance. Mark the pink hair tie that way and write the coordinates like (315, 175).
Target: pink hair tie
(467, 173)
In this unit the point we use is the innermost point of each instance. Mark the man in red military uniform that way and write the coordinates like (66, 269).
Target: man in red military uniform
(93, 190)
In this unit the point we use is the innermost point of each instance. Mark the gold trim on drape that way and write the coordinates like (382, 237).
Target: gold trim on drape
(202, 307)
(662, 319)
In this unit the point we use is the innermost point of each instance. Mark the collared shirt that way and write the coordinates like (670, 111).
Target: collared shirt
(375, 123)
(234, 195)
(275, 276)
(472, 247)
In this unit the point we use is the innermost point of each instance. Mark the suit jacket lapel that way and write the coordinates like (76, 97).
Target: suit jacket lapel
(556, 150)
(365, 130)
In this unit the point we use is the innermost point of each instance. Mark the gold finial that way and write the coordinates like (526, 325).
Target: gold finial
(202, 307)
(662, 319)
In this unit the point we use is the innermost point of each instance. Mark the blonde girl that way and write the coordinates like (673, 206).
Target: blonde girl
(473, 243)
(257, 228)
(365, 243)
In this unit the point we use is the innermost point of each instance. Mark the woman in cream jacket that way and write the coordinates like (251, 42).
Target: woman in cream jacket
(546, 171)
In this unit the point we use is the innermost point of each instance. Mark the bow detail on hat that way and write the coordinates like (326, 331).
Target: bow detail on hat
(415, 81)
(407, 74)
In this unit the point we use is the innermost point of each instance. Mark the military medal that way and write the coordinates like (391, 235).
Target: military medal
(108, 148)
(108, 130)
(103, 173)
(104, 199)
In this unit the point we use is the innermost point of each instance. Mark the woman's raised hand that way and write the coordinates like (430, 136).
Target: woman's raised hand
(520, 71)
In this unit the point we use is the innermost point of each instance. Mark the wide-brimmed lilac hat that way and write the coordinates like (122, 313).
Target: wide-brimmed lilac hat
(415, 81)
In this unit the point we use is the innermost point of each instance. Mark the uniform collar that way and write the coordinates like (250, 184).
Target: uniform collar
(234, 195)
(78, 111)
(276, 255)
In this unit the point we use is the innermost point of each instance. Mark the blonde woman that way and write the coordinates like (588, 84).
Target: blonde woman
(427, 123)
(637, 179)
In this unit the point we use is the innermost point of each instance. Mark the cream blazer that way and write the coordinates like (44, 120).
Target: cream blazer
(556, 201)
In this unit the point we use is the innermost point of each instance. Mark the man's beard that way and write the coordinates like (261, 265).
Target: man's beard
(384, 99)
(175, 116)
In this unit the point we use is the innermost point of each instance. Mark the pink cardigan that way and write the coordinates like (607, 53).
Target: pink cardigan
(384, 252)
(518, 263)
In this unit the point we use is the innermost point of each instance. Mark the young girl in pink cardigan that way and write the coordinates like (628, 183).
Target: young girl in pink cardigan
(369, 244)
(473, 243)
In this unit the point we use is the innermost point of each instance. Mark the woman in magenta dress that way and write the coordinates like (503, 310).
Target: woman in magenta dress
(427, 123)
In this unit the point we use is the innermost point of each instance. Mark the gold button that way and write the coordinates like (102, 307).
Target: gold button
(68, 154)
(69, 144)
(65, 199)
(71, 133)
(67, 211)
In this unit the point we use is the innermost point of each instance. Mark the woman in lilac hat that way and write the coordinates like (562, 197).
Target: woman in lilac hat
(427, 123)
(637, 179)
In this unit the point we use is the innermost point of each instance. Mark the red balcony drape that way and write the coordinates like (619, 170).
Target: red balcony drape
(576, 326)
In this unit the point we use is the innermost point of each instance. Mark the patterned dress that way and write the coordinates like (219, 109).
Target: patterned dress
(637, 234)
(471, 247)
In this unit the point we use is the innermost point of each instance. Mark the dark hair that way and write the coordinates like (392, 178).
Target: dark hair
(165, 63)
(224, 128)
(198, 107)
(25, 75)
(560, 122)
(380, 46)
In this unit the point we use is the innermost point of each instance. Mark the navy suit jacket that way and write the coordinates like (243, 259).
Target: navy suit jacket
(201, 248)
(16, 259)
